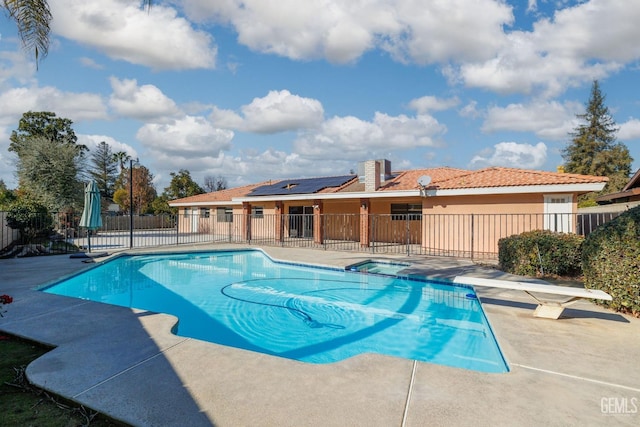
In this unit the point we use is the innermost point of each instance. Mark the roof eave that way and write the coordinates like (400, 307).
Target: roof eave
(203, 203)
(520, 189)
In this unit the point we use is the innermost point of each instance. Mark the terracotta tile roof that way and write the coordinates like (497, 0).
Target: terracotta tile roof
(510, 177)
(443, 178)
(220, 196)
(405, 180)
(408, 180)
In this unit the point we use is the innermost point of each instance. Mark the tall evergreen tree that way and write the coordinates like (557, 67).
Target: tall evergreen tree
(104, 169)
(594, 150)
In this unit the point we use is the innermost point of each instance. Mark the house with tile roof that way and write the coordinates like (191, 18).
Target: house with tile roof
(439, 208)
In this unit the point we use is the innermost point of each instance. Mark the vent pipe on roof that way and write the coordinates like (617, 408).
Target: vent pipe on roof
(371, 175)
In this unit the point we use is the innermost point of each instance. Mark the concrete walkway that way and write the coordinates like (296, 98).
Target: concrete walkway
(579, 370)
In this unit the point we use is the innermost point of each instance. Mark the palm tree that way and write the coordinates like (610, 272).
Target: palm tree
(33, 18)
(122, 158)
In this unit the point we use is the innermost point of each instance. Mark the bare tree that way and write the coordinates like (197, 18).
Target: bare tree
(215, 183)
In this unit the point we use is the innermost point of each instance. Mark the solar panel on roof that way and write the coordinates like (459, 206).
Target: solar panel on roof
(300, 186)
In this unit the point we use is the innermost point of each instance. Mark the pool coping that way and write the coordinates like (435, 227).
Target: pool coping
(127, 363)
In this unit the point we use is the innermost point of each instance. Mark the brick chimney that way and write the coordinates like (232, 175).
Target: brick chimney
(371, 175)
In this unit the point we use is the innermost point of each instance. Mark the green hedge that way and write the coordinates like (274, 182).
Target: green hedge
(541, 253)
(31, 218)
(611, 261)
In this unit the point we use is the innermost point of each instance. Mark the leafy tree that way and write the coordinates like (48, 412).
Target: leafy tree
(144, 191)
(594, 150)
(104, 169)
(45, 124)
(32, 17)
(6, 196)
(30, 218)
(214, 183)
(160, 206)
(121, 197)
(48, 172)
(182, 185)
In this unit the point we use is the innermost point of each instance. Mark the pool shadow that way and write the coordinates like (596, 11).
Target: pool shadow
(108, 358)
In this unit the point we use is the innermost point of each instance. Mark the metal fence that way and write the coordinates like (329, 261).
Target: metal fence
(472, 236)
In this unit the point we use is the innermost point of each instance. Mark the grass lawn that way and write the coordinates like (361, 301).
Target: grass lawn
(25, 405)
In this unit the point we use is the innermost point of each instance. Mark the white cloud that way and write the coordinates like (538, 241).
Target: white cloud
(629, 130)
(547, 119)
(15, 66)
(74, 106)
(581, 43)
(427, 104)
(470, 110)
(157, 38)
(190, 138)
(279, 111)
(512, 154)
(455, 30)
(341, 31)
(92, 141)
(355, 139)
(145, 102)
(90, 63)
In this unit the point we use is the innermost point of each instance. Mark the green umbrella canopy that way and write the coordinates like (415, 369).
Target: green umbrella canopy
(91, 217)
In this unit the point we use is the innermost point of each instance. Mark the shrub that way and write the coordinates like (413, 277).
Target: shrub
(611, 261)
(539, 253)
(30, 218)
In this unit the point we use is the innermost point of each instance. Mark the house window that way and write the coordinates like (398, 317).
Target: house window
(403, 211)
(205, 212)
(224, 214)
(257, 211)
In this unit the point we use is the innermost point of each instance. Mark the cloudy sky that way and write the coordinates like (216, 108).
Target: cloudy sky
(265, 89)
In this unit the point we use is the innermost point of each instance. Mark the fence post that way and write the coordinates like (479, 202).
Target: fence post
(472, 234)
(177, 218)
(408, 235)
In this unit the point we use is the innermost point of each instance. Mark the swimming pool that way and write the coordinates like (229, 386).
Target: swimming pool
(246, 300)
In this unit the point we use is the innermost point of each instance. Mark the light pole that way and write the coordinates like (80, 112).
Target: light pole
(131, 163)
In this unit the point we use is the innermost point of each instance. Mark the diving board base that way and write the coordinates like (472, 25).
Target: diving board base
(551, 309)
(548, 311)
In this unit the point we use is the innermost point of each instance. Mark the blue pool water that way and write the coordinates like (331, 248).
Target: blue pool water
(246, 300)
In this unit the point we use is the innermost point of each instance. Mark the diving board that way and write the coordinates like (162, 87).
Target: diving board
(546, 309)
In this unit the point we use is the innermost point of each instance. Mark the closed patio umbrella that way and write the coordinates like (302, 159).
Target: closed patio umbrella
(91, 218)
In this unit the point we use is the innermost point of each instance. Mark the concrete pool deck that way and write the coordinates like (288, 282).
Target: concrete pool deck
(579, 370)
